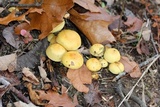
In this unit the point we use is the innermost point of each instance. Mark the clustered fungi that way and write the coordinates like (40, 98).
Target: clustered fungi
(64, 48)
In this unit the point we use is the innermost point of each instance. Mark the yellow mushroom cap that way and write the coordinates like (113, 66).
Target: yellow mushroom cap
(72, 60)
(55, 52)
(112, 55)
(50, 36)
(103, 62)
(93, 64)
(58, 27)
(97, 50)
(116, 67)
(69, 39)
(53, 40)
(95, 75)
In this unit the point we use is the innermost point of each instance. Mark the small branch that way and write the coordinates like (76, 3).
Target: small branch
(35, 4)
(118, 89)
(130, 92)
(20, 95)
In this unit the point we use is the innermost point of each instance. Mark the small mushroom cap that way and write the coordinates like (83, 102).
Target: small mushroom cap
(93, 64)
(58, 27)
(97, 50)
(95, 75)
(72, 60)
(112, 55)
(50, 36)
(55, 52)
(103, 62)
(116, 67)
(53, 40)
(69, 39)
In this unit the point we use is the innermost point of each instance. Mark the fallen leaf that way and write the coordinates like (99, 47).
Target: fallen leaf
(157, 1)
(33, 95)
(11, 38)
(142, 47)
(94, 27)
(93, 96)
(6, 60)
(55, 99)
(54, 10)
(131, 67)
(133, 23)
(43, 74)
(4, 86)
(13, 17)
(22, 104)
(88, 4)
(79, 77)
(146, 32)
(29, 74)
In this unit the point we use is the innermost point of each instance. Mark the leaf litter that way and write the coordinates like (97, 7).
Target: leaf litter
(94, 22)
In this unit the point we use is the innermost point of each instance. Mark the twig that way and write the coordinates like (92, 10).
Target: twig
(130, 92)
(20, 95)
(35, 4)
(140, 65)
(118, 89)
(148, 61)
(1, 102)
(143, 94)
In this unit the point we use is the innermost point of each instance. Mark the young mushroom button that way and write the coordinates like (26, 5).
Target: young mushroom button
(93, 64)
(112, 55)
(116, 67)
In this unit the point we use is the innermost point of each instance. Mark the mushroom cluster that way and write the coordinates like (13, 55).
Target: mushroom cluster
(104, 57)
(64, 48)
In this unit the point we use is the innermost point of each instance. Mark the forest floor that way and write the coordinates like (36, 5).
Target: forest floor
(139, 90)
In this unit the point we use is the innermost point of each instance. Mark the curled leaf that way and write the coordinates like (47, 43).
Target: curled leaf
(131, 67)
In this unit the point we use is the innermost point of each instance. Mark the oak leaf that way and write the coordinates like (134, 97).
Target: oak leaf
(133, 23)
(54, 10)
(8, 60)
(56, 100)
(131, 67)
(30, 75)
(79, 77)
(13, 17)
(93, 25)
(88, 4)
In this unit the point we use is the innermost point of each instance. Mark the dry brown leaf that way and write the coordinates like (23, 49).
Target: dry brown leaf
(22, 104)
(94, 27)
(131, 67)
(29, 74)
(7, 60)
(43, 74)
(133, 23)
(33, 95)
(55, 99)
(88, 4)
(142, 47)
(79, 77)
(13, 17)
(54, 10)
(93, 96)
